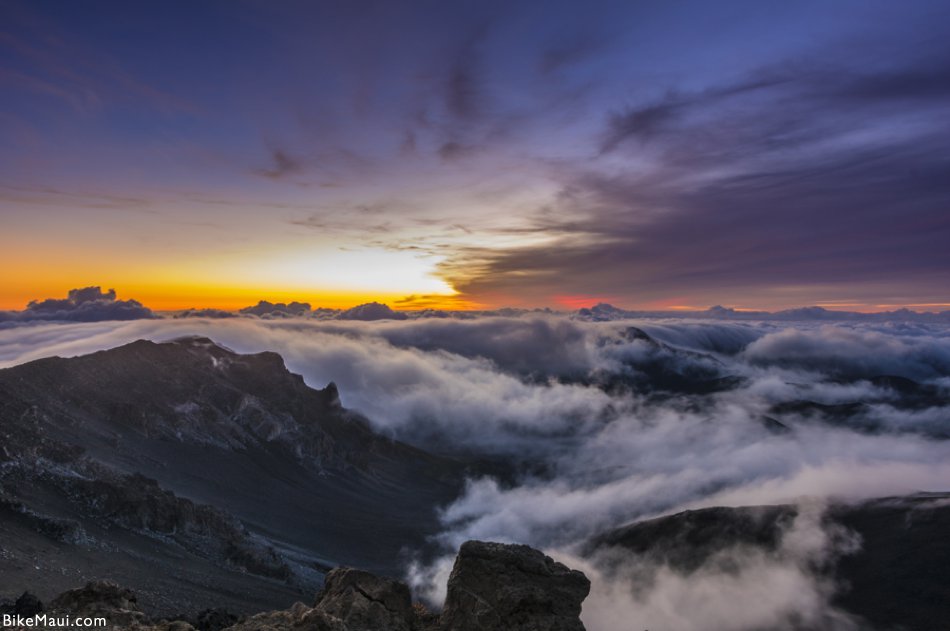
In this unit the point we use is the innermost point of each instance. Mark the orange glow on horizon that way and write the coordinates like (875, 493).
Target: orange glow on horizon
(171, 296)
(233, 298)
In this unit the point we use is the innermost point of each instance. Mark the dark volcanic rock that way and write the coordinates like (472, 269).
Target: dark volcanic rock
(298, 618)
(493, 587)
(191, 391)
(27, 605)
(502, 587)
(900, 579)
(365, 602)
(98, 594)
(214, 619)
(101, 598)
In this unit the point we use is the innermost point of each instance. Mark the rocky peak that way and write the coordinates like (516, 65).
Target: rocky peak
(495, 586)
(194, 390)
(365, 602)
(331, 395)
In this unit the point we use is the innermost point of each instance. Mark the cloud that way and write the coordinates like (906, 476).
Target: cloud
(754, 187)
(205, 313)
(538, 346)
(853, 353)
(806, 85)
(453, 150)
(461, 85)
(638, 163)
(463, 90)
(266, 309)
(284, 165)
(371, 311)
(603, 312)
(52, 60)
(88, 304)
(569, 51)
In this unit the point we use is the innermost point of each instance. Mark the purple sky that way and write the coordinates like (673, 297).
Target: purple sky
(758, 154)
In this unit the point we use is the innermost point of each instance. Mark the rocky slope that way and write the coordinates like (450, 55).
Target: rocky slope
(493, 587)
(194, 474)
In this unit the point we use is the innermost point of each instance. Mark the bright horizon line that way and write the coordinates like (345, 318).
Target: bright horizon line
(225, 300)
(832, 308)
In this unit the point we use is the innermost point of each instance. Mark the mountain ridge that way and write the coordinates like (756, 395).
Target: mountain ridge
(142, 447)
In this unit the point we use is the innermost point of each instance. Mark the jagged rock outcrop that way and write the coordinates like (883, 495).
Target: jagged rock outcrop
(501, 587)
(493, 586)
(298, 618)
(351, 600)
(214, 619)
(118, 605)
(365, 602)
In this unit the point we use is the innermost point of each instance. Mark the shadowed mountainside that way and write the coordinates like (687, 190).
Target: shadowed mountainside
(194, 474)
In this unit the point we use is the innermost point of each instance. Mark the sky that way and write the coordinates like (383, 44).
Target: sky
(654, 155)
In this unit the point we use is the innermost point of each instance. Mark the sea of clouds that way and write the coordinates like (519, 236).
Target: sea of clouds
(529, 390)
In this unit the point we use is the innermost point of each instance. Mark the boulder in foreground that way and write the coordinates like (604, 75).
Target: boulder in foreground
(501, 587)
(365, 602)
